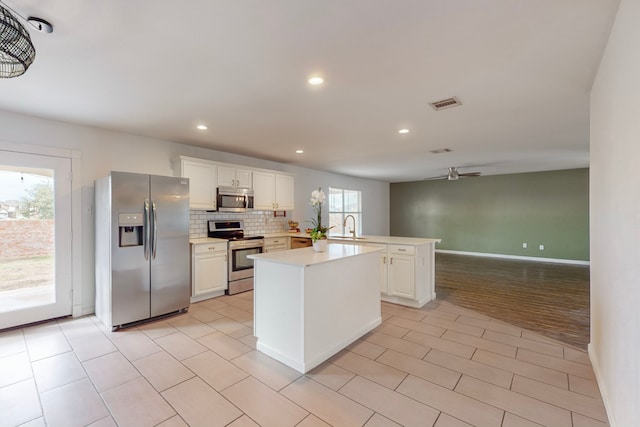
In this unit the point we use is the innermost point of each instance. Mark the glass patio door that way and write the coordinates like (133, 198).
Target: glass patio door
(35, 238)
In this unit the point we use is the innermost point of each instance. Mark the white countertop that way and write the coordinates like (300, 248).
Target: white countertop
(284, 234)
(393, 240)
(307, 256)
(206, 240)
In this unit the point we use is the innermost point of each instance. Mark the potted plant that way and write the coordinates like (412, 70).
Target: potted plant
(318, 232)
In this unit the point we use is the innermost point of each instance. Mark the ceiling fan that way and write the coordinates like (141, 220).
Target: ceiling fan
(454, 175)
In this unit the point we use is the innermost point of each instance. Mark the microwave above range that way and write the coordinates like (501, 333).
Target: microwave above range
(234, 199)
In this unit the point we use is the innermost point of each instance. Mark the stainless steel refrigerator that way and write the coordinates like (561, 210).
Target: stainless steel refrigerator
(142, 247)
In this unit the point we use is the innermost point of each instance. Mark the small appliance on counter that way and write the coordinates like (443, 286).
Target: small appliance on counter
(239, 247)
(142, 247)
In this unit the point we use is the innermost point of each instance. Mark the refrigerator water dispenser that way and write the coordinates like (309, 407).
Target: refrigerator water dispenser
(130, 229)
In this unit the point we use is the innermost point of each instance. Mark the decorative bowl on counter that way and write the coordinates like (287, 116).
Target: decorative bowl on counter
(293, 226)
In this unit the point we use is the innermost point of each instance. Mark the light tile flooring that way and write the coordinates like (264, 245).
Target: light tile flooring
(441, 366)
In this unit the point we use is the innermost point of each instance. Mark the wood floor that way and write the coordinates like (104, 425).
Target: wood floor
(551, 299)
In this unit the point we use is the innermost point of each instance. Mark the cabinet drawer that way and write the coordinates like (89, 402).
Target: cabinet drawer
(275, 241)
(402, 249)
(375, 245)
(209, 247)
(300, 242)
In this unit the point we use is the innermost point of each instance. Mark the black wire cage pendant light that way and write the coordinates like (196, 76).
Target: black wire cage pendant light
(16, 50)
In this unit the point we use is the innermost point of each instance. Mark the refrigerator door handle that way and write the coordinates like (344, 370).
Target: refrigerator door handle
(145, 225)
(155, 229)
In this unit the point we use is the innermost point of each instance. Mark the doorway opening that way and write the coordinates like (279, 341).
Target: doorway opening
(35, 238)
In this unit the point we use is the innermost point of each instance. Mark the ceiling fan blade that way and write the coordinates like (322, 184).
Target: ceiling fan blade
(453, 175)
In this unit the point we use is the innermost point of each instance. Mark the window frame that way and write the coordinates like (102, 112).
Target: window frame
(339, 229)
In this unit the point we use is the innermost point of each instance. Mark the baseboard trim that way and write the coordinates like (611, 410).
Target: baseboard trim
(595, 365)
(518, 257)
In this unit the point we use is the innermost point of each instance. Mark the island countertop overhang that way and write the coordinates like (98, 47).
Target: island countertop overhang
(307, 256)
(366, 238)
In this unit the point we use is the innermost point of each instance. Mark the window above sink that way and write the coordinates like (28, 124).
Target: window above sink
(344, 202)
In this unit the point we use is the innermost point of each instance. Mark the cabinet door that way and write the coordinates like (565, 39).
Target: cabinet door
(284, 192)
(276, 244)
(226, 176)
(202, 184)
(243, 178)
(264, 191)
(402, 276)
(383, 273)
(210, 273)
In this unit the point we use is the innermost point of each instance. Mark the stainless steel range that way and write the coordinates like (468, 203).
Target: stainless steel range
(239, 247)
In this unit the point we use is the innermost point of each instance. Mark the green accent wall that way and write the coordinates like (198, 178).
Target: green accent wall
(496, 214)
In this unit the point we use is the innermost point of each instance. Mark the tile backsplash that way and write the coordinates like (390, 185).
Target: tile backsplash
(255, 222)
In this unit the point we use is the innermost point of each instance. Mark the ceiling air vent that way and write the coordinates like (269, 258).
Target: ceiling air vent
(445, 103)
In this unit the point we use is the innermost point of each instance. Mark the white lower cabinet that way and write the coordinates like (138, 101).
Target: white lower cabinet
(276, 244)
(401, 276)
(383, 266)
(411, 275)
(407, 274)
(208, 270)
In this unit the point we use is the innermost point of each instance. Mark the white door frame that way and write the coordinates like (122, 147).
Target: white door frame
(76, 211)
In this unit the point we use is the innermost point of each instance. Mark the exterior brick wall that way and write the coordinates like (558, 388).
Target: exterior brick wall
(26, 238)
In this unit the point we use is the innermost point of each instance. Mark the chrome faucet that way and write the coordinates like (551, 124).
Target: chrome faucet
(353, 230)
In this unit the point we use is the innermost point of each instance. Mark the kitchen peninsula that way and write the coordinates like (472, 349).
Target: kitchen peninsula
(310, 305)
(407, 265)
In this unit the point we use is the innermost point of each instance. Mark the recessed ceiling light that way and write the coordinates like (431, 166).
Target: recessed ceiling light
(403, 131)
(299, 151)
(202, 127)
(316, 81)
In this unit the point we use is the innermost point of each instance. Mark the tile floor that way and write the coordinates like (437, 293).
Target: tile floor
(441, 366)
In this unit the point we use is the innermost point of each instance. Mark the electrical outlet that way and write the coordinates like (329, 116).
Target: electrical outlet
(524, 246)
(541, 247)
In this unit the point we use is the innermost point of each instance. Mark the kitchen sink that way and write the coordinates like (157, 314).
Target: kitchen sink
(347, 237)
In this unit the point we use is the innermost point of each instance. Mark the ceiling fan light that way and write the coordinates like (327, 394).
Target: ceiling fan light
(16, 50)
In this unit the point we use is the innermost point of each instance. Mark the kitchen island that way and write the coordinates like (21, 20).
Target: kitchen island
(308, 306)
(407, 266)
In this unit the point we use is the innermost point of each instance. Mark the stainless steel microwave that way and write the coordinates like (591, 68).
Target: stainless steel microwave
(233, 199)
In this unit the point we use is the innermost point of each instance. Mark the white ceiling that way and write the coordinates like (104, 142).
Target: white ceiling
(523, 70)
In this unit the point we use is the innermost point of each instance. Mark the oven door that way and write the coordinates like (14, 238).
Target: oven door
(241, 267)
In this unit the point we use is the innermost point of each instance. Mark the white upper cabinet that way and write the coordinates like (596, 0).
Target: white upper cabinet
(272, 191)
(264, 191)
(284, 192)
(202, 183)
(229, 176)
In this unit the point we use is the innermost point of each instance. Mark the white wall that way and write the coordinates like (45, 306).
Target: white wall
(615, 220)
(103, 151)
